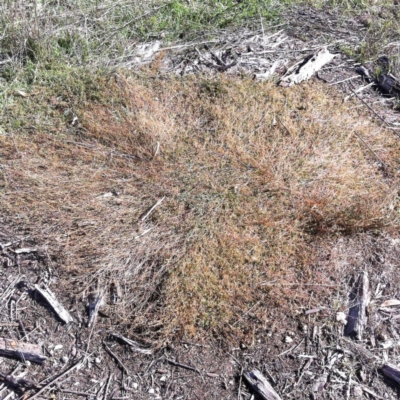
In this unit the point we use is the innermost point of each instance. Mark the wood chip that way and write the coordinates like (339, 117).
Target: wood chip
(21, 351)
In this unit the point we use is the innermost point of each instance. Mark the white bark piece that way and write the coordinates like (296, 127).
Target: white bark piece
(260, 385)
(58, 308)
(306, 68)
(357, 317)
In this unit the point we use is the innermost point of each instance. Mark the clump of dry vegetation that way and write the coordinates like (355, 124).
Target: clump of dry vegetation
(251, 178)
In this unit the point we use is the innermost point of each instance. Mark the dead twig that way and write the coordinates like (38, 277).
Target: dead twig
(375, 113)
(109, 351)
(54, 380)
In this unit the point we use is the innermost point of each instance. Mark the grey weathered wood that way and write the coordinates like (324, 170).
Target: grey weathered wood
(260, 385)
(49, 296)
(392, 372)
(22, 351)
(359, 298)
(95, 302)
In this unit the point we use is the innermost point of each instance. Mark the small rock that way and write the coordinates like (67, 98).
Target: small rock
(135, 385)
(64, 359)
(73, 351)
(152, 391)
(163, 378)
(341, 317)
(97, 360)
(288, 339)
(58, 347)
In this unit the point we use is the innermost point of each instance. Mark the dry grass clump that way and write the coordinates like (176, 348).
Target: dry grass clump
(251, 175)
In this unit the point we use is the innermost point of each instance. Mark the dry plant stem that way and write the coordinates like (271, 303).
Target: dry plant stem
(188, 367)
(81, 394)
(372, 151)
(152, 209)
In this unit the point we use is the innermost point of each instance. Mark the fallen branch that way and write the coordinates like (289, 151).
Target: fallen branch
(22, 351)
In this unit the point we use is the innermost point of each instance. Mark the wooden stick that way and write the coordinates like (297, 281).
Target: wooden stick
(20, 350)
(260, 385)
(58, 308)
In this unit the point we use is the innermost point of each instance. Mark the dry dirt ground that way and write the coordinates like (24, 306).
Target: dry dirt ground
(304, 356)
